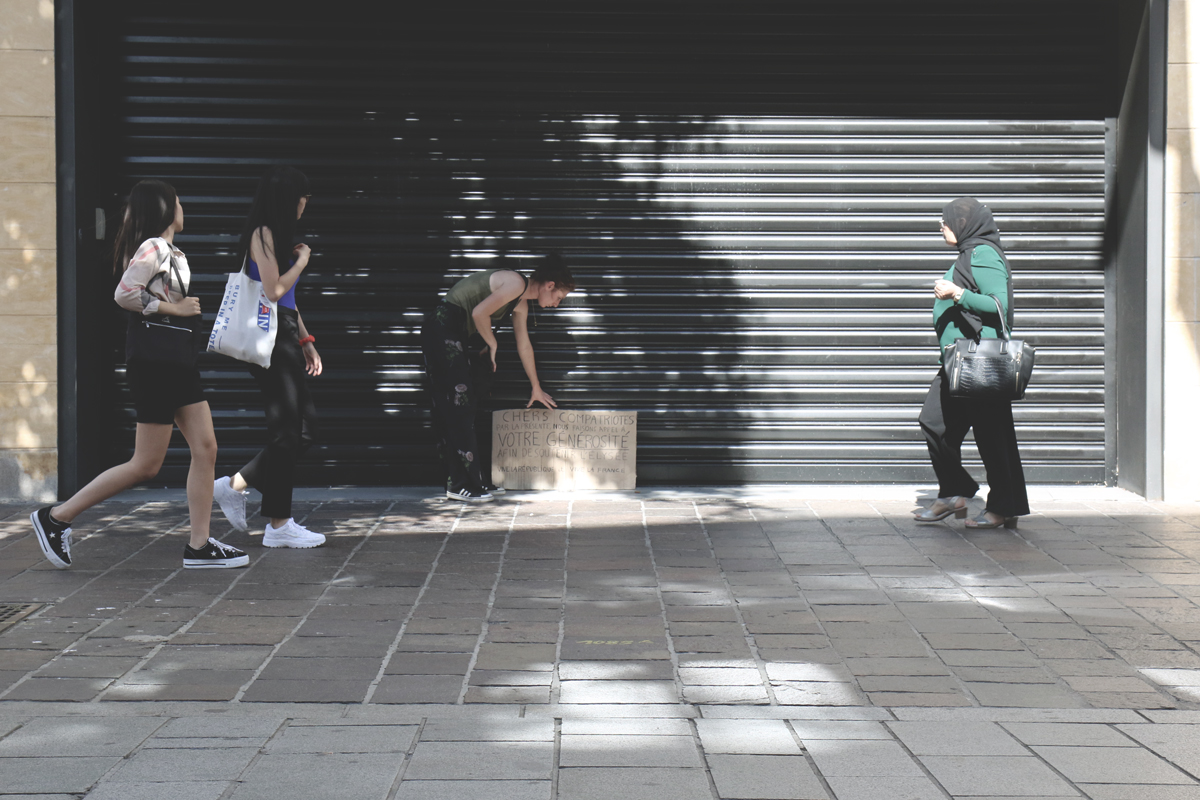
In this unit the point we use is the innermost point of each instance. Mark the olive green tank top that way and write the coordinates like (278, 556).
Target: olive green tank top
(473, 290)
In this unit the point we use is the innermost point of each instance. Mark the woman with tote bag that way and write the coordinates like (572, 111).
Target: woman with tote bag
(161, 348)
(272, 256)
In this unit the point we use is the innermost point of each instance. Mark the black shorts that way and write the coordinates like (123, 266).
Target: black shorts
(159, 390)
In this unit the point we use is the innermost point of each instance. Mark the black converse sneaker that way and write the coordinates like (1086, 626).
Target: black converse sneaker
(214, 555)
(53, 537)
(469, 495)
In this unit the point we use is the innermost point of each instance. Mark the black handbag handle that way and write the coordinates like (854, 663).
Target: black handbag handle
(1004, 331)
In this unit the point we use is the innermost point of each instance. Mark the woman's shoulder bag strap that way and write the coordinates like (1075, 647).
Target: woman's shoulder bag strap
(165, 277)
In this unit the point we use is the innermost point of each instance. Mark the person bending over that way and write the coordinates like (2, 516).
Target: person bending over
(460, 357)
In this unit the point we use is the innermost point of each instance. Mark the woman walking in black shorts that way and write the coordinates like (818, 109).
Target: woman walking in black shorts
(154, 288)
(273, 257)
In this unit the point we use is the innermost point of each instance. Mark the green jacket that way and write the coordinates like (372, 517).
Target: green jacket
(992, 279)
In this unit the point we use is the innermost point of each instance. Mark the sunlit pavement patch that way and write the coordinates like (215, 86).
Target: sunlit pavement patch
(616, 632)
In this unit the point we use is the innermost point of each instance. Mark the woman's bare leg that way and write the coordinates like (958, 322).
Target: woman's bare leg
(150, 446)
(195, 422)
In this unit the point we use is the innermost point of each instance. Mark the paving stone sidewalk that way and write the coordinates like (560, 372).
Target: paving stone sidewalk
(684, 644)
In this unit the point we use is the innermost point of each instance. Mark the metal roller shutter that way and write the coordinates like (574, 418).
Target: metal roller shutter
(755, 266)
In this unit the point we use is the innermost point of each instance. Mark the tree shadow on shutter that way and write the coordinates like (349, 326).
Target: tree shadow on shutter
(446, 141)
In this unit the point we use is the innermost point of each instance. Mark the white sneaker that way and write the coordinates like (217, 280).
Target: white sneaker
(232, 502)
(291, 535)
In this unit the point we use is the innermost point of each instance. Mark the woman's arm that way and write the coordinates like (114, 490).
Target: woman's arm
(132, 293)
(992, 279)
(506, 286)
(525, 351)
(312, 359)
(262, 252)
(990, 276)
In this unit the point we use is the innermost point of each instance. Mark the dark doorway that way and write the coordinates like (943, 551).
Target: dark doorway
(748, 195)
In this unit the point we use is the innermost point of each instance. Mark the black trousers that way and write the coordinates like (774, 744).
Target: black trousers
(945, 421)
(291, 420)
(460, 379)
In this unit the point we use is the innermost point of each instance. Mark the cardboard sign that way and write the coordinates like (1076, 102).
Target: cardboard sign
(536, 448)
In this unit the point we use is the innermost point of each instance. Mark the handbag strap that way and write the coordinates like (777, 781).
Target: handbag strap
(178, 277)
(1004, 332)
(165, 278)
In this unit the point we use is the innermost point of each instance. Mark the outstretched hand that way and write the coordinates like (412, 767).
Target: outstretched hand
(538, 396)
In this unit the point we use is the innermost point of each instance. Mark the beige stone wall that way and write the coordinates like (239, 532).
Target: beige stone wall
(28, 359)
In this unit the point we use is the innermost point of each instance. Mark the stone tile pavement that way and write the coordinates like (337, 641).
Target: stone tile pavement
(773, 644)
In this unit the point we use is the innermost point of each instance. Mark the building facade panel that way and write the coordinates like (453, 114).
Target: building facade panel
(1181, 328)
(808, 341)
(28, 330)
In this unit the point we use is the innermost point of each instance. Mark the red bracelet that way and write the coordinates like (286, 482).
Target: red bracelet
(307, 339)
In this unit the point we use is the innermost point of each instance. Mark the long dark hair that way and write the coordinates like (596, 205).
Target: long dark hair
(275, 202)
(149, 211)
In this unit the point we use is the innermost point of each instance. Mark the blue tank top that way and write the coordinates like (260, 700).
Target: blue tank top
(289, 299)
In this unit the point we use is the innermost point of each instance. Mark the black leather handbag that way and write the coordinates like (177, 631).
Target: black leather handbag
(989, 369)
(161, 339)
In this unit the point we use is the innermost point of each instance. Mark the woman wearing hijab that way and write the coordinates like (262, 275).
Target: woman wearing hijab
(965, 308)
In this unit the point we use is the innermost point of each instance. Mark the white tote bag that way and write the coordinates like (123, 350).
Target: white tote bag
(246, 323)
